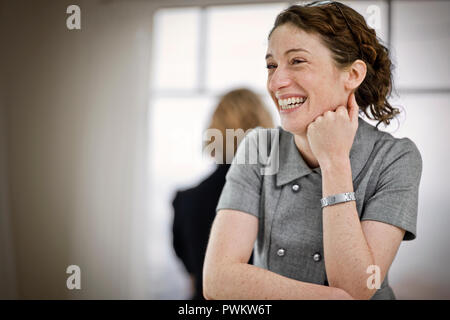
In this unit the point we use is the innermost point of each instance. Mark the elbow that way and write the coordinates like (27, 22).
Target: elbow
(364, 294)
(352, 292)
(341, 294)
(361, 293)
(208, 289)
(218, 281)
(206, 295)
(211, 283)
(212, 289)
(367, 291)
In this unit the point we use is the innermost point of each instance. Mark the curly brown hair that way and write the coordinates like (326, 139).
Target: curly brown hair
(346, 34)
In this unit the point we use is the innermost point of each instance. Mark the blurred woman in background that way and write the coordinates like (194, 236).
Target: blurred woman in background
(195, 208)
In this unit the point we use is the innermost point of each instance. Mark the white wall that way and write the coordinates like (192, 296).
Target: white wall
(8, 288)
(77, 134)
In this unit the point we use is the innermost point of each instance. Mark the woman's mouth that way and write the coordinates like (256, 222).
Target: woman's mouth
(290, 104)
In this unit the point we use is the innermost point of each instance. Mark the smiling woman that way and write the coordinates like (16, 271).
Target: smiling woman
(345, 194)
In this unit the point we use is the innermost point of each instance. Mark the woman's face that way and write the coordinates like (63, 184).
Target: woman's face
(302, 77)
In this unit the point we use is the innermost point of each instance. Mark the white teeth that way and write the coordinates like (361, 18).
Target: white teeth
(291, 106)
(291, 102)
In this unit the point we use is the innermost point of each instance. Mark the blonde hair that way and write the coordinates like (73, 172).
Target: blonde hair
(240, 109)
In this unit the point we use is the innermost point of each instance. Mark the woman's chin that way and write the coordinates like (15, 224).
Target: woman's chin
(294, 127)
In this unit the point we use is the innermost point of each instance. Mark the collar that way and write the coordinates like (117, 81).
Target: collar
(292, 166)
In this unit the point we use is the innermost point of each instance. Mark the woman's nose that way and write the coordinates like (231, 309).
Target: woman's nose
(279, 79)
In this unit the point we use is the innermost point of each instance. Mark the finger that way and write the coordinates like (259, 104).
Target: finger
(319, 118)
(342, 110)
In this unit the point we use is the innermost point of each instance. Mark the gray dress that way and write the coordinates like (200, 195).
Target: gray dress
(386, 173)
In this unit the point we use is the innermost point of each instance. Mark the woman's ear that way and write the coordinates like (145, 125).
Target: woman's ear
(355, 74)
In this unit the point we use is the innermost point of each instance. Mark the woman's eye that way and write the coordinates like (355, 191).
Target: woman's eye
(297, 61)
(271, 66)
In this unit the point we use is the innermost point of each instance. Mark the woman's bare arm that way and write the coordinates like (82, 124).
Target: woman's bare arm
(226, 274)
(352, 246)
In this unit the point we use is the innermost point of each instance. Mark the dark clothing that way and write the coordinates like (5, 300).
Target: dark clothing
(194, 213)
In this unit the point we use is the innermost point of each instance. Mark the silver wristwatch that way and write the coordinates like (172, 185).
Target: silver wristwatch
(338, 198)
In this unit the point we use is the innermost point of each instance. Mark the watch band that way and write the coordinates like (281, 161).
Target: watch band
(338, 198)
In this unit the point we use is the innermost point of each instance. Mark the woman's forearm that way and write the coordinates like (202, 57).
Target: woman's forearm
(347, 254)
(244, 281)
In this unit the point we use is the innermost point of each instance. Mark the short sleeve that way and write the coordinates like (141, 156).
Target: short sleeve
(395, 200)
(242, 189)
